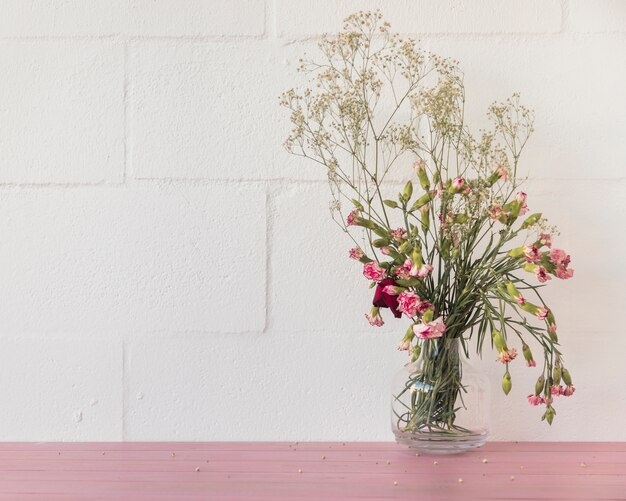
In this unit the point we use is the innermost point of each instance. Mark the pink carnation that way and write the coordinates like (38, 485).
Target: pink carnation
(418, 271)
(564, 273)
(520, 197)
(423, 307)
(374, 318)
(502, 172)
(353, 217)
(559, 257)
(457, 183)
(430, 330)
(408, 302)
(542, 274)
(556, 390)
(507, 356)
(535, 400)
(495, 211)
(545, 239)
(542, 313)
(531, 363)
(398, 234)
(531, 253)
(403, 271)
(373, 271)
(355, 253)
(568, 391)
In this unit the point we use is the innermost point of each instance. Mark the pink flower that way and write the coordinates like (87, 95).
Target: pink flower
(559, 257)
(355, 253)
(542, 313)
(542, 274)
(531, 253)
(535, 400)
(457, 184)
(564, 273)
(373, 271)
(374, 318)
(495, 211)
(531, 363)
(403, 271)
(520, 300)
(568, 391)
(385, 250)
(430, 330)
(424, 306)
(353, 217)
(545, 239)
(520, 197)
(408, 302)
(398, 234)
(507, 356)
(502, 172)
(418, 271)
(556, 390)
(391, 290)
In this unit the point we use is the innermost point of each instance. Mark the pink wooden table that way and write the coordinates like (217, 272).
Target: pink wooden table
(312, 471)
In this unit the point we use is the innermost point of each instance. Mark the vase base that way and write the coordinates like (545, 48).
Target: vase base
(430, 443)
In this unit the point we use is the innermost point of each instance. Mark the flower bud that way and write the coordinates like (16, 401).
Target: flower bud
(530, 220)
(539, 385)
(549, 415)
(528, 355)
(416, 257)
(506, 383)
(498, 341)
(420, 202)
(420, 170)
(381, 242)
(408, 190)
(567, 378)
(517, 252)
(406, 247)
(417, 350)
(556, 375)
(428, 316)
(391, 203)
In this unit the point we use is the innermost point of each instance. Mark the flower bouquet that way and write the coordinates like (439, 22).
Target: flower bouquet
(456, 252)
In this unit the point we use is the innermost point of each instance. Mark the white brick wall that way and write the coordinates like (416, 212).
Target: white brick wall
(170, 273)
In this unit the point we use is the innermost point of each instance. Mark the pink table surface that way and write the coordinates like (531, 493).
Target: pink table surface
(308, 470)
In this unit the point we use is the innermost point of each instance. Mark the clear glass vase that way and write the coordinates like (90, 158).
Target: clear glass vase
(440, 403)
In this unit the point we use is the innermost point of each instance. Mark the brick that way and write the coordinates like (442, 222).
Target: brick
(600, 16)
(423, 16)
(62, 113)
(260, 387)
(206, 111)
(132, 18)
(134, 260)
(61, 389)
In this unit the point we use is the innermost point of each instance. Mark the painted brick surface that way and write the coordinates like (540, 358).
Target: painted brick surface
(171, 273)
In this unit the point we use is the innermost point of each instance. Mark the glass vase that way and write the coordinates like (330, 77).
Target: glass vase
(440, 403)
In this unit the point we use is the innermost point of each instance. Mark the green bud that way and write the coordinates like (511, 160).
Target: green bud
(420, 202)
(556, 375)
(428, 315)
(512, 290)
(416, 256)
(391, 203)
(549, 415)
(541, 382)
(530, 267)
(517, 252)
(380, 242)
(530, 220)
(567, 378)
(498, 341)
(358, 204)
(506, 383)
(408, 190)
(423, 177)
(417, 350)
(528, 355)
(406, 247)
(553, 337)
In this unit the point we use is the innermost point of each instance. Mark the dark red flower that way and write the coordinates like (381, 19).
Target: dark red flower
(384, 300)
